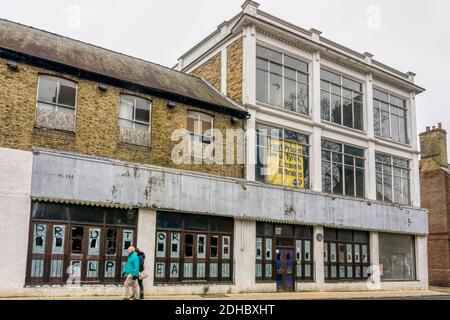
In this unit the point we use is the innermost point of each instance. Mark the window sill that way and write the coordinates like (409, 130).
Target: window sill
(287, 111)
(41, 130)
(342, 127)
(127, 145)
(383, 139)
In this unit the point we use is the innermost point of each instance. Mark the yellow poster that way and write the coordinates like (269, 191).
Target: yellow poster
(285, 160)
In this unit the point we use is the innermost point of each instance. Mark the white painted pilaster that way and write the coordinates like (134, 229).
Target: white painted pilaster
(375, 257)
(315, 88)
(251, 146)
(244, 254)
(422, 260)
(146, 235)
(318, 257)
(370, 173)
(249, 66)
(315, 159)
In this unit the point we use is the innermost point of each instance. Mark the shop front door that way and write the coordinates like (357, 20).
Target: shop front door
(285, 269)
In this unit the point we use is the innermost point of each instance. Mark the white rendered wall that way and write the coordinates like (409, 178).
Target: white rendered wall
(15, 188)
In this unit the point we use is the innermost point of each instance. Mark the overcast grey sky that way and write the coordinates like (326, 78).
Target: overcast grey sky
(410, 36)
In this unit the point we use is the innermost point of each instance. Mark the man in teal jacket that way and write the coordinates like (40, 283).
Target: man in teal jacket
(131, 273)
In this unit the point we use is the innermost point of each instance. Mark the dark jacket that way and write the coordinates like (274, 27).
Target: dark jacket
(141, 257)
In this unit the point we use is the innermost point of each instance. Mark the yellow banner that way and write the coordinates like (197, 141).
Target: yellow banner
(287, 159)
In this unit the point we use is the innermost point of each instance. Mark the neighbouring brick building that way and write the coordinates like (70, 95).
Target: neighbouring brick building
(323, 190)
(435, 194)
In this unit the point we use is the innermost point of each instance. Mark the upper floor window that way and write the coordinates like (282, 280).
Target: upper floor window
(341, 100)
(200, 126)
(342, 169)
(56, 103)
(57, 94)
(390, 119)
(282, 157)
(281, 80)
(393, 179)
(134, 113)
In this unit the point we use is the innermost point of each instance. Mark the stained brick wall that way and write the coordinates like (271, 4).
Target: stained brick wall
(211, 70)
(235, 56)
(97, 130)
(435, 196)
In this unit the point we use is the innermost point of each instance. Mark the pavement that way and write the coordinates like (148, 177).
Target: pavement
(434, 293)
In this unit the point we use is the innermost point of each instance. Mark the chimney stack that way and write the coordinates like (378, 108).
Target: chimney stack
(433, 146)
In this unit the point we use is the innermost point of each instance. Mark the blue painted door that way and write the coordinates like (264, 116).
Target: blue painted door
(285, 269)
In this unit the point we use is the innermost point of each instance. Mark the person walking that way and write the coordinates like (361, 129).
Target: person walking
(141, 256)
(131, 274)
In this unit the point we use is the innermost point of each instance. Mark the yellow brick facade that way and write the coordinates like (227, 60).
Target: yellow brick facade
(235, 62)
(211, 71)
(97, 129)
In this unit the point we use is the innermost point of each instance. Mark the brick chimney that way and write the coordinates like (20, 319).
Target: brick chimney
(433, 147)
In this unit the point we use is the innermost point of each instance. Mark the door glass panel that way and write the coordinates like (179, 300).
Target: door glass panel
(59, 233)
(111, 242)
(174, 271)
(201, 246)
(37, 268)
(201, 269)
(188, 245)
(110, 269)
(175, 245)
(94, 242)
(307, 250)
(357, 254)
(258, 248)
(77, 239)
(56, 268)
(214, 246)
(92, 269)
(225, 247)
(307, 271)
(127, 241)
(298, 250)
(160, 270)
(40, 231)
(365, 257)
(269, 249)
(341, 253)
(349, 253)
(188, 270)
(213, 270)
(161, 244)
(225, 270)
(333, 252)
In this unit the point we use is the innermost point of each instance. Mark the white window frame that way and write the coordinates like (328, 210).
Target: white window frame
(308, 84)
(58, 81)
(134, 121)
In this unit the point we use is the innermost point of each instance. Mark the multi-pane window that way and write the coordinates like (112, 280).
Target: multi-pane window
(346, 255)
(397, 257)
(271, 237)
(283, 157)
(281, 80)
(393, 179)
(341, 100)
(193, 248)
(57, 94)
(342, 169)
(134, 113)
(390, 116)
(82, 243)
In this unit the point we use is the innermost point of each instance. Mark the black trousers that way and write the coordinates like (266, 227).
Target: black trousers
(141, 285)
